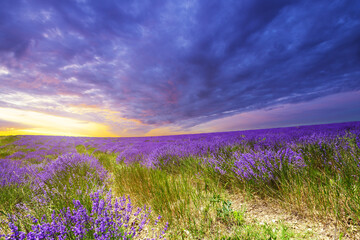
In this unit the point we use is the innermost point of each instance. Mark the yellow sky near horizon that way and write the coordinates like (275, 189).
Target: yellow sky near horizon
(108, 123)
(38, 123)
(27, 122)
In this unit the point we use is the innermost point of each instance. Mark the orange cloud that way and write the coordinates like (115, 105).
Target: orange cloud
(163, 131)
(83, 105)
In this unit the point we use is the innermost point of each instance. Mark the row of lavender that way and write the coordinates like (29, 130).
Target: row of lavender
(48, 169)
(257, 146)
(47, 184)
(249, 155)
(108, 218)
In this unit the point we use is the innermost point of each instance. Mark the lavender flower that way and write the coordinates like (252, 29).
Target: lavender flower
(109, 218)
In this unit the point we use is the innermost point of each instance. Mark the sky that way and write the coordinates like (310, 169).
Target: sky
(145, 68)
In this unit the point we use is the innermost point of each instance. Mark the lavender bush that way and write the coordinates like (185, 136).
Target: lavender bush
(108, 218)
(263, 165)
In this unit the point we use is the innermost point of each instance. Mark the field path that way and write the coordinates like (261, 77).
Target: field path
(261, 211)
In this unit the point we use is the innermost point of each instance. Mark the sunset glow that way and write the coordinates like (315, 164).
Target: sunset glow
(45, 124)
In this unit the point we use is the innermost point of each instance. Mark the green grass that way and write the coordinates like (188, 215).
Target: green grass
(192, 197)
(180, 198)
(264, 232)
(7, 139)
(8, 150)
(331, 191)
(10, 196)
(183, 193)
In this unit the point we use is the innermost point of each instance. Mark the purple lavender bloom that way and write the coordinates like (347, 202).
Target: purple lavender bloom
(262, 165)
(68, 161)
(108, 218)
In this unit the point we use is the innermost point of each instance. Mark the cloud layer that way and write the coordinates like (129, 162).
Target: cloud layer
(147, 64)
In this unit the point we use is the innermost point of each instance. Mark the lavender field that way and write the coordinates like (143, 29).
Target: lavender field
(178, 187)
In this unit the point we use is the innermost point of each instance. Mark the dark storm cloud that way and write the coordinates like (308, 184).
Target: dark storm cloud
(167, 62)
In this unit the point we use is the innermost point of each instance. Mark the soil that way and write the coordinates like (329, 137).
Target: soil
(261, 211)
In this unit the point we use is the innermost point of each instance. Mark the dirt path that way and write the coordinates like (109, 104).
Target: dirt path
(261, 211)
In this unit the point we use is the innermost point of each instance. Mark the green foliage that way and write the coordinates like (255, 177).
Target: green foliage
(7, 139)
(331, 189)
(108, 161)
(225, 213)
(12, 195)
(85, 150)
(9, 148)
(256, 231)
(74, 183)
(169, 195)
(191, 196)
